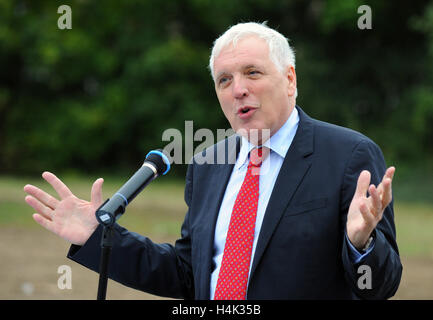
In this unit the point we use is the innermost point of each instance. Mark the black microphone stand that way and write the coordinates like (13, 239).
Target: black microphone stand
(106, 246)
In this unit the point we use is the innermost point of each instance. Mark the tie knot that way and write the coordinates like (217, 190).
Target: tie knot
(258, 155)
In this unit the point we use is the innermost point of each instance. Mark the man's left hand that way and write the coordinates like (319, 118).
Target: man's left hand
(365, 212)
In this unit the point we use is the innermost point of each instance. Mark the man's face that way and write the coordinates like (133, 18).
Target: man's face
(252, 92)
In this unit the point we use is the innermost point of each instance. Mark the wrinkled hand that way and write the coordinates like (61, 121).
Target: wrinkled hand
(365, 212)
(70, 218)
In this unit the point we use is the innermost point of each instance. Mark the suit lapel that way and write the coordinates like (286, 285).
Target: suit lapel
(295, 165)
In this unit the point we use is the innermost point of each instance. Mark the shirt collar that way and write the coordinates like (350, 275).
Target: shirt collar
(279, 143)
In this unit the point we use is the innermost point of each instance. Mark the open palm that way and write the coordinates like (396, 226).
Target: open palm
(366, 211)
(71, 218)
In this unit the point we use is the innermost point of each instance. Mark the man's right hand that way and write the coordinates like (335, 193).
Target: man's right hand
(70, 218)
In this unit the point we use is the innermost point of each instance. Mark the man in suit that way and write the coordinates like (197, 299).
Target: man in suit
(298, 213)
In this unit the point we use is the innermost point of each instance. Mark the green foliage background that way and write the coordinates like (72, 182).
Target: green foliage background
(99, 96)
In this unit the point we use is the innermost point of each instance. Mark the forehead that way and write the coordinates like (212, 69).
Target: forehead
(248, 51)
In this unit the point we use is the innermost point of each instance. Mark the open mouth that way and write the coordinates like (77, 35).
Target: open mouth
(246, 112)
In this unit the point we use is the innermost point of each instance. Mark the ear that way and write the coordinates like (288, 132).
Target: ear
(291, 77)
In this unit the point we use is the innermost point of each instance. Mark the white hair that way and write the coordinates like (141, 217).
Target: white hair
(280, 52)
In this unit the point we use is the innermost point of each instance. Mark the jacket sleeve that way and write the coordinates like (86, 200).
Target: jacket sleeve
(137, 262)
(383, 261)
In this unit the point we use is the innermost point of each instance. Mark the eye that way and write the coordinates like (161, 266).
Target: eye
(223, 80)
(253, 72)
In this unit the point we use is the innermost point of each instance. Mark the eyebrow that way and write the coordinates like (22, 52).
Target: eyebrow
(249, 66)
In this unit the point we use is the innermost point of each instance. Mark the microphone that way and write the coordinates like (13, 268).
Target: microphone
(156, 164)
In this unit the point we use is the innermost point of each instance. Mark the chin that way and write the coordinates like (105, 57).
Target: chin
(254, 134)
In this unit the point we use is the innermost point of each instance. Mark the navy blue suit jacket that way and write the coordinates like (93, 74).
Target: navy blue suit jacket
(301, 251)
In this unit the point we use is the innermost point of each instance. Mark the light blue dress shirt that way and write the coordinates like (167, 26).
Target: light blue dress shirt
(279, 144)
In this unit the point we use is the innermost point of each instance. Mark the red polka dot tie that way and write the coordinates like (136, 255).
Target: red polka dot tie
(233, 275)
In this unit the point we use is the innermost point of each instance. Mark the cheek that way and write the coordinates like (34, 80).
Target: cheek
(274, 108)
(226, 105)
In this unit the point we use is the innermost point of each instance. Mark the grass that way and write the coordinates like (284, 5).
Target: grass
(414, 227)
(160, 209)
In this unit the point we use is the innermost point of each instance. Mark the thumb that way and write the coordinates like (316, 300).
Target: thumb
(96, 193)
(363, 183)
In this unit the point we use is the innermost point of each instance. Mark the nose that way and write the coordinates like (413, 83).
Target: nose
(239, 88)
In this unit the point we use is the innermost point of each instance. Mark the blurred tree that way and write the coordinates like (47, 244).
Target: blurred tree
(99, 96)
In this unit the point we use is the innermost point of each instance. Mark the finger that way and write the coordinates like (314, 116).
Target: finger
(44, 222)
(376, 202)
(96, 193)
(39, 207)
(42, 196)
(57, 184)
(363, 183)
(387, 192)
(389, 173)
(387, 186)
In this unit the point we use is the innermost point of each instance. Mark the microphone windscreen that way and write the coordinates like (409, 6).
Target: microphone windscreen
(160, 160)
